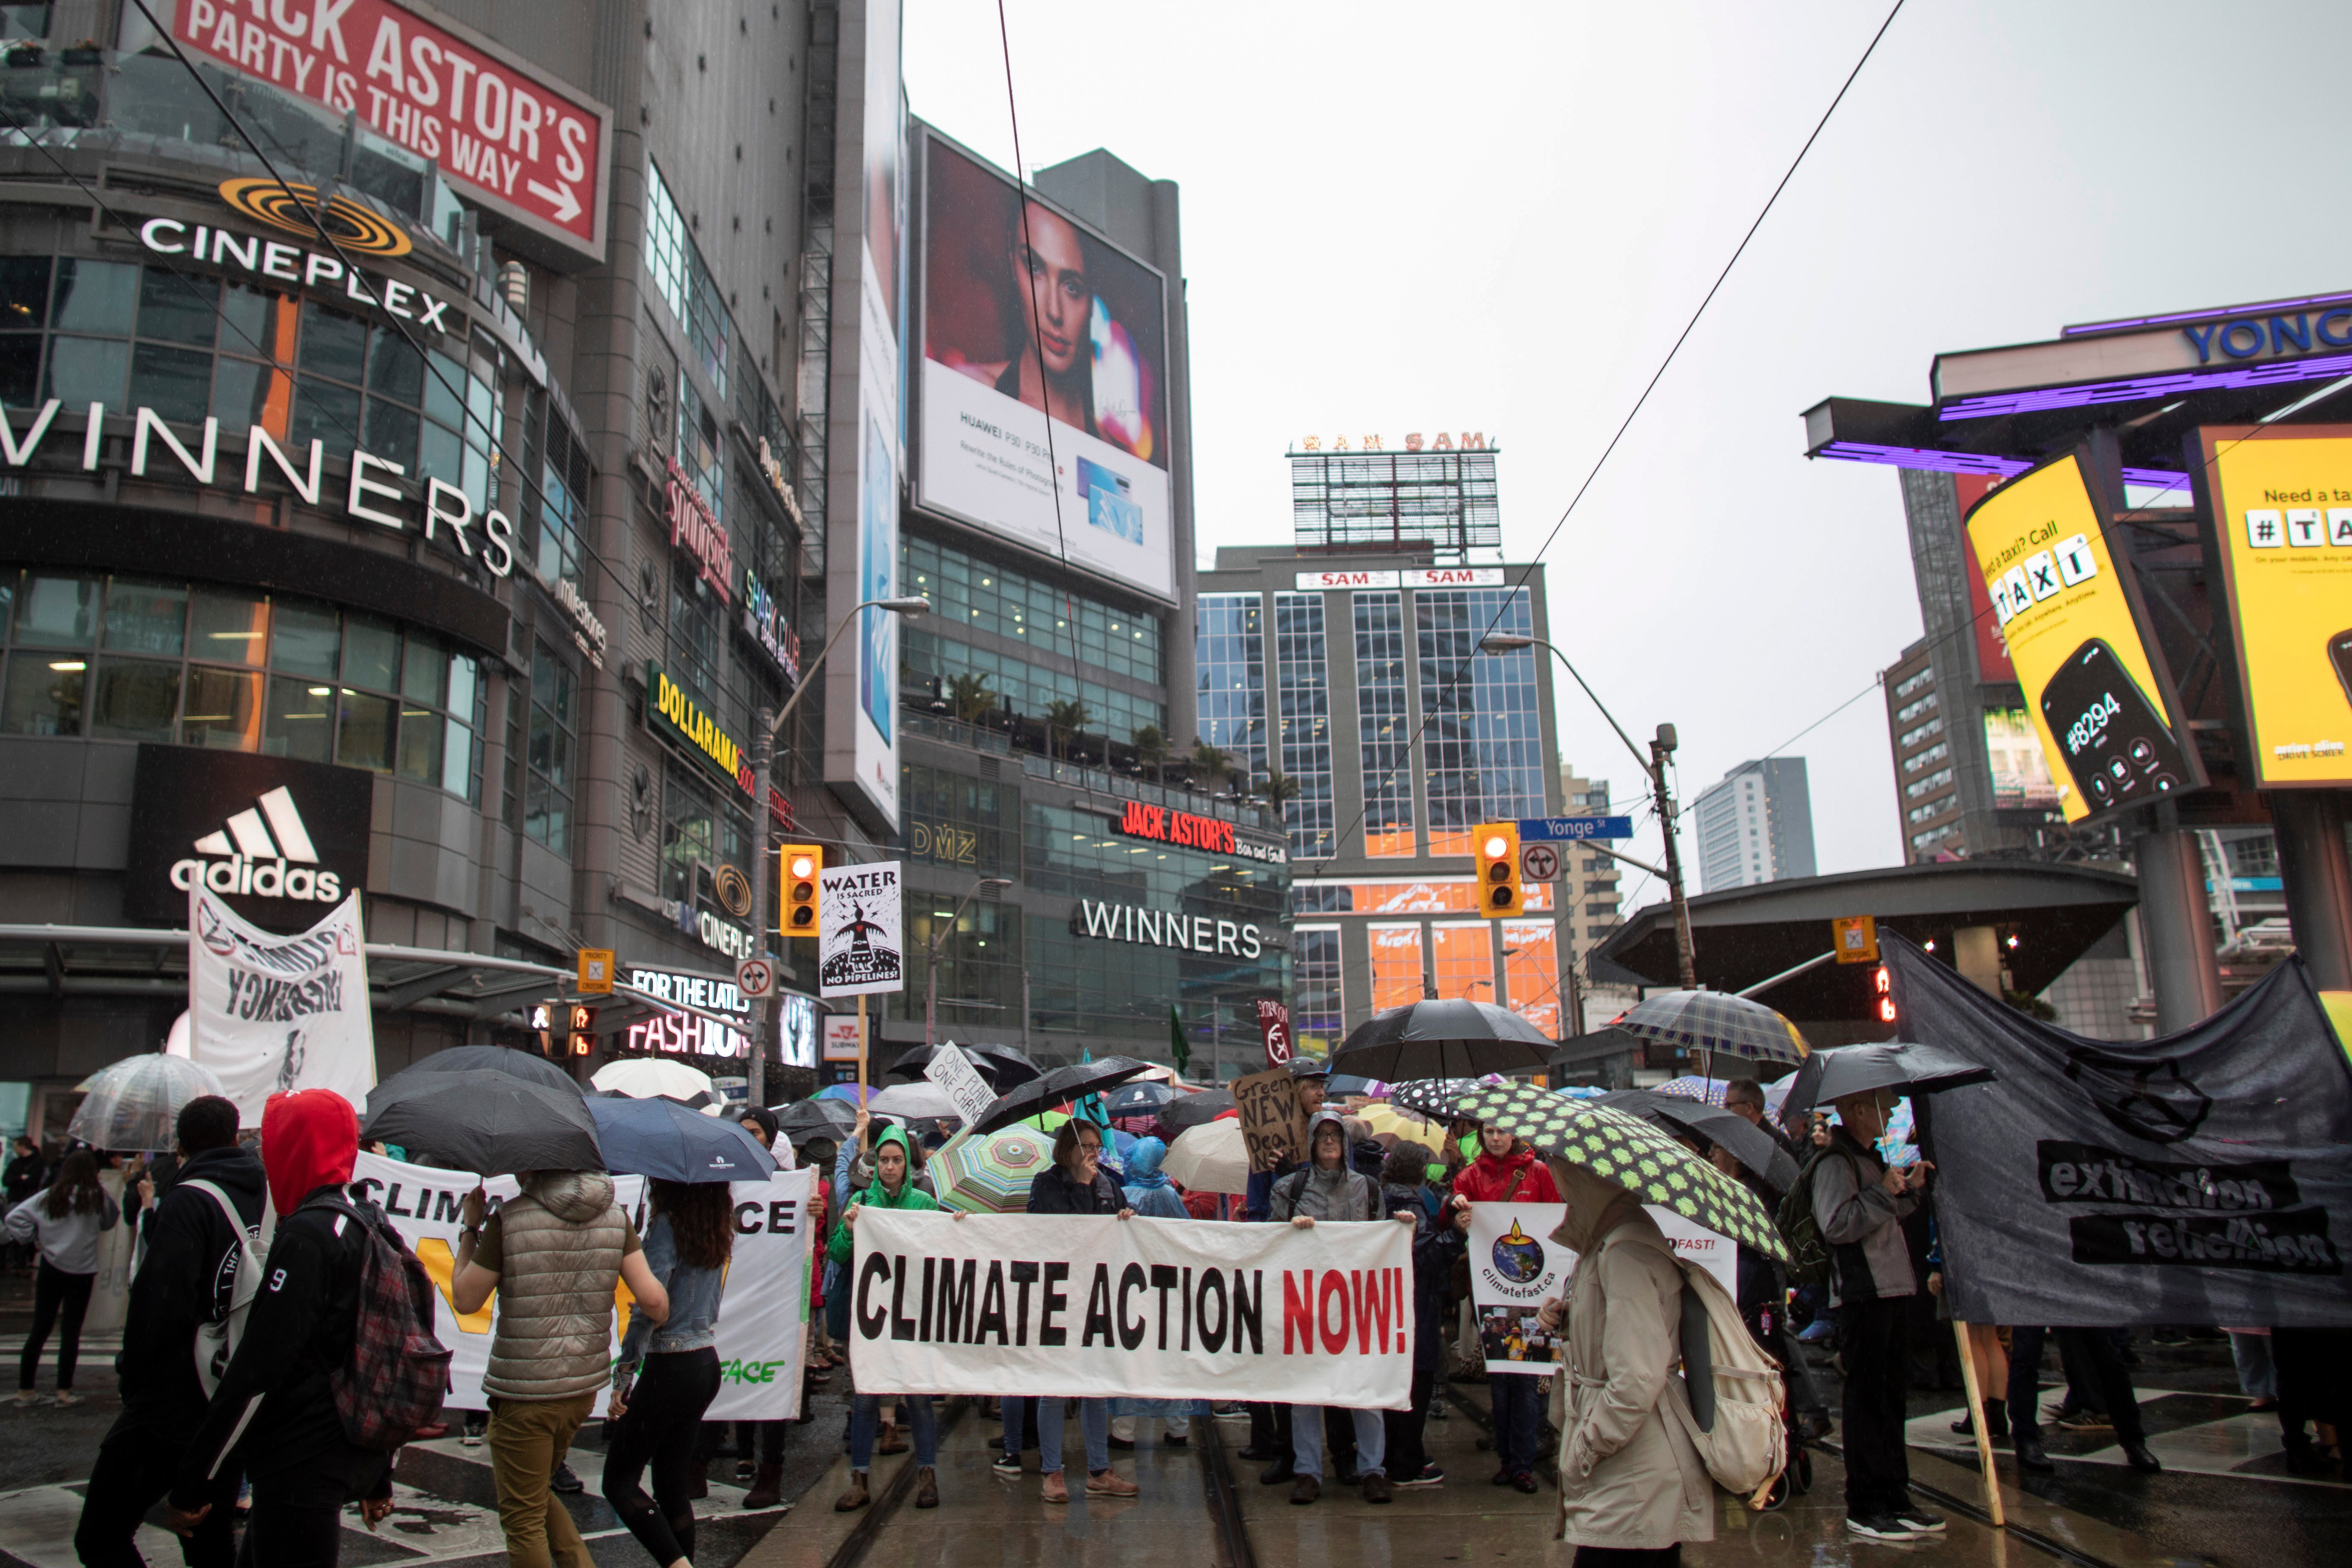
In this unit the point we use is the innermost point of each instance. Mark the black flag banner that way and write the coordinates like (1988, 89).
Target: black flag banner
(2202, 1177)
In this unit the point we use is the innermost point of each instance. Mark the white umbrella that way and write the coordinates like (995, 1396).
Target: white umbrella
(651, 1077)
(920, 1101)
(1210, 1158)
(135, 1104)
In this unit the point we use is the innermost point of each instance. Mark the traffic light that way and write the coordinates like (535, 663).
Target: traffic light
(1498, 844)
(801, 863)
(584, 1030)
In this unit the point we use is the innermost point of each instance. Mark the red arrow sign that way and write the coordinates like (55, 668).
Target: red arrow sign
(510, 135)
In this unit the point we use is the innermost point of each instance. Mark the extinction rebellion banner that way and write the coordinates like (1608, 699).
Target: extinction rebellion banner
(271, 1014)
(2202, 1177)
(762, 1314)
(1144, 1309)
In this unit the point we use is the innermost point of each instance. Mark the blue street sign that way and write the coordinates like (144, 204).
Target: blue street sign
(1555, 828)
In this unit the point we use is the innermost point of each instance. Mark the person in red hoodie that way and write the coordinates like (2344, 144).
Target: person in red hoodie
(1507, 1172)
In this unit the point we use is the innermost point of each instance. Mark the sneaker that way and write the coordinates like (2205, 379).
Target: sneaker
(567, 1483)
(1057, 1491)
(1305, 1489)
(1377, 1489)
(1429, 1475)
(1815, 1332)
(476, 1425)
(1879, 1527)
(2084, 1420)
(1919, 1520)
(1502, 1478)
(1525, 1481)
(1110, 1483)
(1009, 1467)
(67, 1399)
(27, 1399)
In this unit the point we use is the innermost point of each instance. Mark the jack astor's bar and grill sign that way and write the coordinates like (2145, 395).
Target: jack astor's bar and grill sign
(1188, 830)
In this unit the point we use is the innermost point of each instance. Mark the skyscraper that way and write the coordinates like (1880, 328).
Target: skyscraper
(1755, 825)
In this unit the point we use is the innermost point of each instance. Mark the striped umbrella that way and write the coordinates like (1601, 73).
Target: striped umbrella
(989, 1173)
(1715, 1021)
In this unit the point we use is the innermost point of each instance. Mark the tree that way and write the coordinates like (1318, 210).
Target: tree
(1064, 720)
(1210, 763)
(970, 694)
(1152, 746)
(1278, 790)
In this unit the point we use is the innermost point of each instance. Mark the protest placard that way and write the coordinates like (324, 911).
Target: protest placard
(953, 1072)
(1272, 1124)
(1515, 1268)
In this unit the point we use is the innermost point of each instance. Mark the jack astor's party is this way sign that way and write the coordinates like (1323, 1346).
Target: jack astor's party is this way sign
(859, 950)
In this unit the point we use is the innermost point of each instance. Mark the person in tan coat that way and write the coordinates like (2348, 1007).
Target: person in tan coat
(1632, 1487)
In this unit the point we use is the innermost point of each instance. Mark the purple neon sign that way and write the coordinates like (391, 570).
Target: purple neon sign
(2278, 373)
(1976, 463)
(2175, 318)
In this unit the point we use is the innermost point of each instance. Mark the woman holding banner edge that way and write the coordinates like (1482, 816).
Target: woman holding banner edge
(893, 1188)
(1075, 1185)
(656, 1419)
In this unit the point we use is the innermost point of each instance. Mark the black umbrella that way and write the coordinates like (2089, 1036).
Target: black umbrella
(834, 1118)
(525, 1065)
(1905, 1067)
(1749, 1145)
(1137, 1100)
(1195, 1109)
(1057, 1088)
(1456, 1038)
(1002, 1066)
(661, 1139)
(491, 1124)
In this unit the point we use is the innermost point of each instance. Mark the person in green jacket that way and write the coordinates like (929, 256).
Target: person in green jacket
(893, 1188)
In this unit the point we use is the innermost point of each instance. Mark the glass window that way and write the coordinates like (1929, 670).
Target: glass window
(1396, 963)
(1484, 746)
(95, 297)
(323, 412)
(1317, 983)
(307, 640)
(146, 617)
(230, 626)
(43, 696)
(1384, 726)
(422, 676)
(136, 700)
(444, 390)
(20, 368)
(179, 307)
(439, 454)
(391, 433)
(332, 344)
(420, 745)
(1303, 690)
(24, 291)
(302, 719)
(1231, 664)
(547, 803)
(371, 653)
(250, 321)
(177, 384)
(241, 392)
(457, 761)
(363, 735)
(57, 611)
(395, 369)
(223, 710)
(86, 370)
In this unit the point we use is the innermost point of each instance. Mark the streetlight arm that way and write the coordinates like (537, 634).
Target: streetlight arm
(1564, 664)
(808, 676)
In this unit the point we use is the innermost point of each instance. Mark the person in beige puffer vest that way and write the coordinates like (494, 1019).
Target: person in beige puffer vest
(553, 1252)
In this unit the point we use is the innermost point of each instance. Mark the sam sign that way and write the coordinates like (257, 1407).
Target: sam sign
(510, 136)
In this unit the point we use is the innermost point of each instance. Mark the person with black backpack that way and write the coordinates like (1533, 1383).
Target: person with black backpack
(277, 1412)
(196, 1236)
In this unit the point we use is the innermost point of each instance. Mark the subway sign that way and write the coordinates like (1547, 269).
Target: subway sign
(671, 711)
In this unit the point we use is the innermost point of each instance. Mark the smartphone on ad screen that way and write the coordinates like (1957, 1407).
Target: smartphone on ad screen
(2339, 653)
(2114, 743)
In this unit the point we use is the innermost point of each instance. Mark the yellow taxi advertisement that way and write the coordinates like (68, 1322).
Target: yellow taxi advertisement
(2101, 704)
(2281, 510)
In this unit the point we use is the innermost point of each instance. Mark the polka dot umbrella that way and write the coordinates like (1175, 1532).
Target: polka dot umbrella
(1631, 1152)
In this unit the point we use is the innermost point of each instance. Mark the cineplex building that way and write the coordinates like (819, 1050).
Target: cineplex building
(427, 450)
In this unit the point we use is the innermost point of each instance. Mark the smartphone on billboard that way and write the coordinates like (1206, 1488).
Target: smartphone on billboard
(1110, 502)
(2114, 743)
(2339, 650)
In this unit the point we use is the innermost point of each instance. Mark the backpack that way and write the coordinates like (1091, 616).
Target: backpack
(398, 1373)
(216, 1341)
(1810, 1261)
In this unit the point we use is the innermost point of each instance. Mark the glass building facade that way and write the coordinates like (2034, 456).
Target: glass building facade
(1229, 659)
(1303, 694)
(1384, 726)
(1484, 739)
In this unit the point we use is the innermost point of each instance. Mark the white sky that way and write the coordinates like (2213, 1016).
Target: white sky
(1497, 216)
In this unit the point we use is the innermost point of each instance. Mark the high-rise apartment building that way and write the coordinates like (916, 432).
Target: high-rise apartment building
(1755, 825)
(1592, 885)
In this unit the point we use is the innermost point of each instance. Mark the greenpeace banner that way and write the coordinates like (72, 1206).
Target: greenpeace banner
(2203, 1178)
(762, 1315)
(1091, 1306)
(1515, 1268)
(272, 1013)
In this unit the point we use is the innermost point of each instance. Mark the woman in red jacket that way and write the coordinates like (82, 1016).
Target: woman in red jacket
(1506, 1170)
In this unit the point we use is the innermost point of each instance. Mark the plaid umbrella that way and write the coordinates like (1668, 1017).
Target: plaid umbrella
(989, 1173)
(1716, 1021)
(1690, 1085)
(1631, 1152)
(1435, 1097)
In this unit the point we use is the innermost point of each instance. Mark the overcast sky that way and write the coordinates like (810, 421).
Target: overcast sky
(1497, 217)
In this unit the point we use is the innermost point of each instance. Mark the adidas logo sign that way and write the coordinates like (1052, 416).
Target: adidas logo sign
(243, 855)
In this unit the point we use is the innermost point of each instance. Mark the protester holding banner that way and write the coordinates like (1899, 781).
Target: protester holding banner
(1311, 1076)
(893, 1188)
(767, 1475)
(1076, 1183)
(1506, 1170)
(555, 1254)
(654, 1418)
(1436, 1248)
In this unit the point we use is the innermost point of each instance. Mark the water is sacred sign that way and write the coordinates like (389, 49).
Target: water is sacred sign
(858, 931)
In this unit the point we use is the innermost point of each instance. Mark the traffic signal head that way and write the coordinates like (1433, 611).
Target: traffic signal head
(801, 863)
(1498, 848)
(584, 1030)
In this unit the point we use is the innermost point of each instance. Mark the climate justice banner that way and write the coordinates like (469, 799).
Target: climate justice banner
(1142, 1309)
(271, 1014)
(2201, 1177)
(762, 1314)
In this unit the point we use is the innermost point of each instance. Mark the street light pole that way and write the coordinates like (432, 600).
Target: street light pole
(931, 965)
(764, 732)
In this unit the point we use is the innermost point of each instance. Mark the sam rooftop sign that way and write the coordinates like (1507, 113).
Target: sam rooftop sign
(1415, 577)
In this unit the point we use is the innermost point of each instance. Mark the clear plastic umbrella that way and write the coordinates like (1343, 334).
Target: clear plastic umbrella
(135, 1104)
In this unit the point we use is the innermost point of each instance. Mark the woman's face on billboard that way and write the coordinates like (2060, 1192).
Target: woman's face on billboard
(1050, 268)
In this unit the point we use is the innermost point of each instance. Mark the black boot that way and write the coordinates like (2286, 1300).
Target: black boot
(2031, 1454)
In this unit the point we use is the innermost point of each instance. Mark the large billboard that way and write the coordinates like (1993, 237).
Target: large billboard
(864, 448)
(2282, 509)
(1045, 376)
(2095, 691)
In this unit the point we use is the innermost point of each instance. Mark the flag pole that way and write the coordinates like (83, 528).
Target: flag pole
(1977, 1424)
(861, 1050)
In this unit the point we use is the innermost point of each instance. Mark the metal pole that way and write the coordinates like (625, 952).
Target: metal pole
(931, 991)
(2316, 872)
(2178, 923)
(1685, 959)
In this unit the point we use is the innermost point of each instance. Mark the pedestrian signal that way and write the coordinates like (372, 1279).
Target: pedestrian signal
(801, 863)
(1498, 848)
(584, 1030)
(1883, 985)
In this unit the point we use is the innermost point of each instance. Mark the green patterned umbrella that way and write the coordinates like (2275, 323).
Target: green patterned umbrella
(989, 1173)
(1631, 1152)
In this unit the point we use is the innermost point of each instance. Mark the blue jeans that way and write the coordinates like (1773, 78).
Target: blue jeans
(1306, 1441)
(867, 1414)
(1519, 1417)
(1093, 1424)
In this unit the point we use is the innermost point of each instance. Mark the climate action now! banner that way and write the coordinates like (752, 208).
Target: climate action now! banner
(1144, 1309)
(763, 1312)
(2202, 1177)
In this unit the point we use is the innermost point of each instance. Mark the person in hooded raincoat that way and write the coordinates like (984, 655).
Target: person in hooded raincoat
(893, 1188)
(1149, 1193)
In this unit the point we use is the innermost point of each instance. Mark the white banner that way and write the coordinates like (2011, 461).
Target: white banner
(953, 1072)
(763, 1312)
(272, 1013)
(1515, 1268)
(1144, 1309)
(859, 951)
